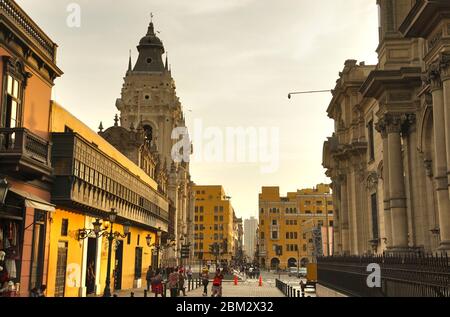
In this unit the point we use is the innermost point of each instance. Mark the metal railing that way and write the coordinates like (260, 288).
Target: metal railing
(21, 142)
(15, 14)
(288, 290)
(401, 276)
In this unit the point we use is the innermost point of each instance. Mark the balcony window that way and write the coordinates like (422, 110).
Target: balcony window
(15, 80)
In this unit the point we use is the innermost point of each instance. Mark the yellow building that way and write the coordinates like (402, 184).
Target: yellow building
(282, 240)
(91, 178)
(213, 224)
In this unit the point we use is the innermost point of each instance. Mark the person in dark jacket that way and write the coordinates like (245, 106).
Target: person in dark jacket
(149, 276)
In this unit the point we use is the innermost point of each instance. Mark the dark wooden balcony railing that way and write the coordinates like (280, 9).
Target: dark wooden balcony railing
(10, 10)
(23, 150)
(401, 276)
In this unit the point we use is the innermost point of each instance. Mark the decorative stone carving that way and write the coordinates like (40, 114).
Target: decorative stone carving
(428, 167)
(444, 66)
(394, 123)
(372, 181)
(433, 76)
(380, 126)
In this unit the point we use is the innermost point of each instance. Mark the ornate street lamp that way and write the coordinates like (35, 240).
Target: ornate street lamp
(149, 240)
(111, 236)
(4, 187)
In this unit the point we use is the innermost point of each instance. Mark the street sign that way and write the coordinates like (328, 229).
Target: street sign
(185, 251)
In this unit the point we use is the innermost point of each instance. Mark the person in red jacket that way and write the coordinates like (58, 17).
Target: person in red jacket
(217, 284)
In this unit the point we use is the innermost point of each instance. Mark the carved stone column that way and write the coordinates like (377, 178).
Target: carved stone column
(345, 234)
(337, 241)
(440, 144)
(444, 65)
(417, 213)
(397, 195)
(381, 128)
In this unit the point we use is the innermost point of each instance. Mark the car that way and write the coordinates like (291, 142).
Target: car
(298, 272)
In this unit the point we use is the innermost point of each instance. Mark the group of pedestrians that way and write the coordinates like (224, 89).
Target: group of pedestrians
(251, 272)
(174, 278)
(216, 290)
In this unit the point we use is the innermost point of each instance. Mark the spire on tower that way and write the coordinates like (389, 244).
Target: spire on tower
(166, 66)
(116, 120)
(130, 66)
(100, 128)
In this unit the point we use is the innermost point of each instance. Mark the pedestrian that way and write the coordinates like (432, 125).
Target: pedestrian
(205, 280)
(173, 282)
(217, 284)
(302, 286)
(157, 284)
(181, 287)
(150, 274)
(189, 273)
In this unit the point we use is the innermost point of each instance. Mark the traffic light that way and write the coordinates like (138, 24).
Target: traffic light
(185, 251)
(225, 246)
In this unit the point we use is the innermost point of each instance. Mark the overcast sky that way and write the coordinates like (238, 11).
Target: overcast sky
(234, 62)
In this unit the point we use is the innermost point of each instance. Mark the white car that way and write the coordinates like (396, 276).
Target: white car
(301, 272)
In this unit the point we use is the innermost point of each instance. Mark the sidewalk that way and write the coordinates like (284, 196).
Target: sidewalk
(249, 288)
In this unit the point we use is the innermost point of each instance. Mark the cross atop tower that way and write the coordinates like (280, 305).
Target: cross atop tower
(151, 16)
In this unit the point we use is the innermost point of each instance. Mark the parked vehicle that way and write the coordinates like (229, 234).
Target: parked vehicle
(298, 272)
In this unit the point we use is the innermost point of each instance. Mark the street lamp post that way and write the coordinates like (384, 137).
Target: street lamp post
(111, 236)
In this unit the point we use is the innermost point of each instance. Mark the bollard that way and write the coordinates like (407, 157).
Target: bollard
(189, 285)
(165, 290)
(298, 294)
(145, 293)
(132, 294)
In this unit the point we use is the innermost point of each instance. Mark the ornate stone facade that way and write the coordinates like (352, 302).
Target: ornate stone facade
(393, 130)
(149, 112)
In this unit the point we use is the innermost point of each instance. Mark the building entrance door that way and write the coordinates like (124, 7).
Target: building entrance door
(118, 266)
(61, 269)
(91, 266)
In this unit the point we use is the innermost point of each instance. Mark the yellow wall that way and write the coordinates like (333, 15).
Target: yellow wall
(128, 259)
(213, 196)
(270, 199)
(74, 256)
(75, 259)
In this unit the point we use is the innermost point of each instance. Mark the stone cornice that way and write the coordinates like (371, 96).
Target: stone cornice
(424, 17)
(380, 81)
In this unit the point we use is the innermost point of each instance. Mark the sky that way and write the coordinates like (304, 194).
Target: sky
(234, 63)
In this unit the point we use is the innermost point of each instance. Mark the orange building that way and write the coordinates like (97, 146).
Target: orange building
(283, 240)
(28, 66)
(213, 225)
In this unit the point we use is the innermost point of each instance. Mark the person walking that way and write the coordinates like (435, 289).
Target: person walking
(181, 281)
(157, 284)
(217, 284)
(205, 280)
(150, 274)
(189, 274)
(174, 279)
(302, 286)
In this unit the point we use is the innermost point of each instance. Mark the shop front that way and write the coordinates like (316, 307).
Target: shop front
(23, 240)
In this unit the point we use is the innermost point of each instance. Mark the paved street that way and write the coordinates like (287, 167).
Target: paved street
(245, 289)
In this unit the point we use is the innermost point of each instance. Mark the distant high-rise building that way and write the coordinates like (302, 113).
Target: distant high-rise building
(250, 227)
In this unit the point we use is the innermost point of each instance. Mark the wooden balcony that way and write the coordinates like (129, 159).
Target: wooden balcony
(88, 180)
(25, 155)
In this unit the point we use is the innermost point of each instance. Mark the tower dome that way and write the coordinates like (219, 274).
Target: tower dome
(150, 50)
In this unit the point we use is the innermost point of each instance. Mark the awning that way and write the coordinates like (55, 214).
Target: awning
(33, 201)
